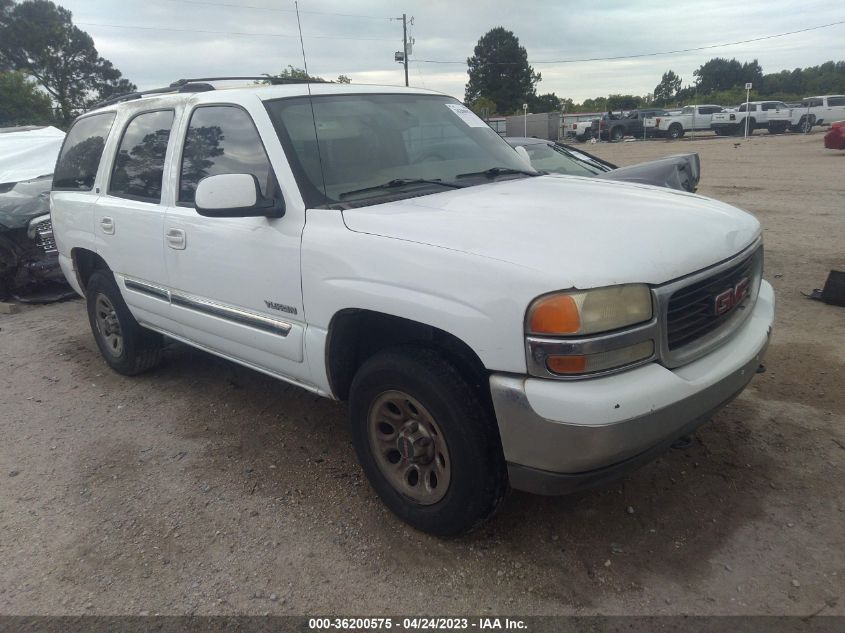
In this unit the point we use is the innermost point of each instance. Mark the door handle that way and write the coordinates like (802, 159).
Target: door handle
(176, 239)
(107, 225)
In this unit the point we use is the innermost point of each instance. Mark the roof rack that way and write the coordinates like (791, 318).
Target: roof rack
(199, 84)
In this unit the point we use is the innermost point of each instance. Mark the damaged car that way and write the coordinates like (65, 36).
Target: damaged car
(28, 255)
(680, 171)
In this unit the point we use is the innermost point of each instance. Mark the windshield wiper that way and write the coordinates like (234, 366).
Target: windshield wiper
(401, 182)
(493, 172)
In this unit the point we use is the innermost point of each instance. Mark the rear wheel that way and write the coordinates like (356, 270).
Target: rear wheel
(426, 441)
(127, 347)
(617, 133)
(675, 131)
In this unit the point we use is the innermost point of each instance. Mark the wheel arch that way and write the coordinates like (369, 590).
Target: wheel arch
(354, 335)
(85, 262)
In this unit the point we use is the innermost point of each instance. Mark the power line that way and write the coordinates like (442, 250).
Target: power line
(259, 8)
(617, 57)
(163, 28)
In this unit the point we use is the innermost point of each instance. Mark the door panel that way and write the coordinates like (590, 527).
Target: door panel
(128, 219)
(235, 281)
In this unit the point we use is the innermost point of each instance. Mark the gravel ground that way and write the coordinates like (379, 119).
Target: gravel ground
(206, 488)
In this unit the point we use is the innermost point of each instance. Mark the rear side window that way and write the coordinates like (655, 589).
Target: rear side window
(836, 101)
(222, 140)
(139, 165)
(79, 159)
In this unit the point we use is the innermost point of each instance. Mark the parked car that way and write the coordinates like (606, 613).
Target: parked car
(757, 112)
(691, 118)
(824, 108)
(28, 255)
(681, 172)
(616, 127)
(491, 327)
(581, 130)
(835, 137)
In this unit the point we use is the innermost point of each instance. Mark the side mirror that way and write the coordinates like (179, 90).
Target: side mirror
(235, 196)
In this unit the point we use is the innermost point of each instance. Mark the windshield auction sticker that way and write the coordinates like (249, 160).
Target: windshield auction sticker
(466, 115)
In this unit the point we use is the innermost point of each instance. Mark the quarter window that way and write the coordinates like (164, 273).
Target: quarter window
(79, 159)
(222, 140)
(836, 101)
(139, 165)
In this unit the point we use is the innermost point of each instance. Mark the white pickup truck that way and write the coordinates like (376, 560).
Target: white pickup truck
(733, 122)
(691, 118)
(492, 327)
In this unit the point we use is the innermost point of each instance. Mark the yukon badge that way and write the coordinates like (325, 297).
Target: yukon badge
(731, 297)
(281, 307)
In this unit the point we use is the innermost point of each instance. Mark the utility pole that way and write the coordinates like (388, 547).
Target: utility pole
(405, 45)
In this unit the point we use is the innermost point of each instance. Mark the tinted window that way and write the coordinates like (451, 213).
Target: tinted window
(81, 152)
(139, 166)
(811, 103)
(222, 140)
(836, 101)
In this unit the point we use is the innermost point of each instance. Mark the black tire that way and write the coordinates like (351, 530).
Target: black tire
(752, 125)
(617, 133)
(139, 349)
(477, 475)
(675, 131)
(805, 126)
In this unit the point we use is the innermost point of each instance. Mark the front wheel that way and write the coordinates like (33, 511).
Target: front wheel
(675, 131)
(127, 347)
(426, 441)
(617, 134)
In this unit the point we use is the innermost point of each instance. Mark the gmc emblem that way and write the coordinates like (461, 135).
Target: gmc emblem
(732, 297)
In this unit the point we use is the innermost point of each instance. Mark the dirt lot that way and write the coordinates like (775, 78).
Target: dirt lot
(206, 488)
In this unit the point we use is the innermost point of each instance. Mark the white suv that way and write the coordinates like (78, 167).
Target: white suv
(491, 326)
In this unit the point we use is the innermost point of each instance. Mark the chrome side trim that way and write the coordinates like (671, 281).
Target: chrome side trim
(236, 315)
(147, 288)
(206, 306)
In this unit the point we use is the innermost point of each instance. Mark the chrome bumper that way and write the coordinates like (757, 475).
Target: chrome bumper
(607, 426)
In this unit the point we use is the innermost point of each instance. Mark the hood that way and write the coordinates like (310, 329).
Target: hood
(22, 201)
(581, 232)
(28, 154)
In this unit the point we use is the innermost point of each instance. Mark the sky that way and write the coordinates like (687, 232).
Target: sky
(154, 42)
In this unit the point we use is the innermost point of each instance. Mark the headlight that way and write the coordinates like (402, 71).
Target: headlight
(589, 311)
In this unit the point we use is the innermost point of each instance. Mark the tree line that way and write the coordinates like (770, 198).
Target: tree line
(501, 80)
(50, 70)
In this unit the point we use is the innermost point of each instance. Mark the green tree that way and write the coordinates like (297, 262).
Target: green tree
(343, 79)
(39, 38)
(623, 102)
(483, 107)
(291, 72)
(548, 102)
(21, 102)
(668, 88)
(499, 70)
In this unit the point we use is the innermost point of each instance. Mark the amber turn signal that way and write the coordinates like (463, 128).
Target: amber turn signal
(556, 314)
(567, 364)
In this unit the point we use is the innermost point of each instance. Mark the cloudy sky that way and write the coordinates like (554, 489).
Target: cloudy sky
(154, 42)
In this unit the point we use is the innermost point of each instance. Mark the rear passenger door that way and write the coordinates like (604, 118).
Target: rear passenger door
(235, 282)
(129, 217)
(835, 110)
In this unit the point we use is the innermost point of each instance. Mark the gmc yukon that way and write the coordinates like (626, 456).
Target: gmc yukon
(491, 327)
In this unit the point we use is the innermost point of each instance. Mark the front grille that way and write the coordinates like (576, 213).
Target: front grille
(692, 310)
(44, 236)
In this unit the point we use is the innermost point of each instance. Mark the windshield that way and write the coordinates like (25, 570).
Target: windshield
(366, 148)
(554, 159)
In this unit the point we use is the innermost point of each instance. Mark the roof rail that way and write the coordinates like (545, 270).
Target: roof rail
(199, 84)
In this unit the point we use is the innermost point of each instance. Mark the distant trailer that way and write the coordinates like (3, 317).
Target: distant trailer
(545, 125)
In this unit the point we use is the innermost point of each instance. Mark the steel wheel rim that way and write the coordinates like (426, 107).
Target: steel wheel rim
(108, 325)
(409, 447)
